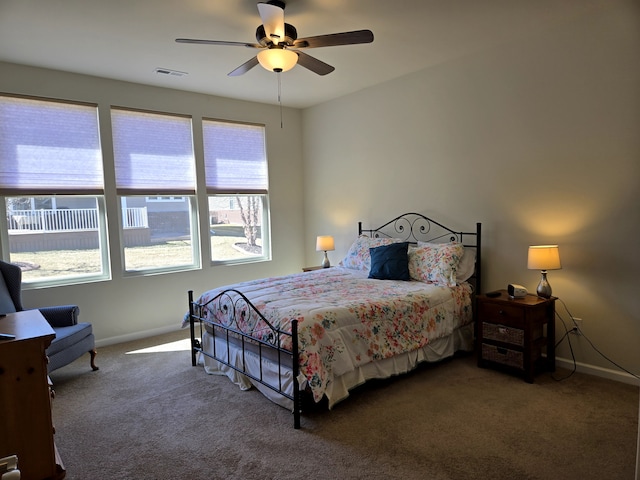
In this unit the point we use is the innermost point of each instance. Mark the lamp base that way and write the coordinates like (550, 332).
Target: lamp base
(325, 261)
(544, 289)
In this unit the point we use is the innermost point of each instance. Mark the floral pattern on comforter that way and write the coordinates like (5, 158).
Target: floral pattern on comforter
(346, 320)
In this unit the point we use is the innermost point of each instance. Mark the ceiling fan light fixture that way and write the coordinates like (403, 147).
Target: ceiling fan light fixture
(275, 38)
(277, 59)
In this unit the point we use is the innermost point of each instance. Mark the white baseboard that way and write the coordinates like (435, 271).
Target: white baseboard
(137, 335)
(616, 375)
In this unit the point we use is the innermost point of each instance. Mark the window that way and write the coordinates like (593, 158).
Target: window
(155, 181)
(237, 186)
(52, 191)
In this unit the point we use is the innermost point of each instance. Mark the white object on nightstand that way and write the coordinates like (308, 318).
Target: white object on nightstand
(9, 468)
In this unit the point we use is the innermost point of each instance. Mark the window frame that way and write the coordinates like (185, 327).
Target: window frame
(186, 196)
(193, 200)
(235, 191)
(104, 250)
(95, 191)
(265, 236)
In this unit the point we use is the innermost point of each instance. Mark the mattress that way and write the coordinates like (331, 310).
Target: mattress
(280, 377)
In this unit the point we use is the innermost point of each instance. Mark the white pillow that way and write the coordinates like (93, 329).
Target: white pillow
(467, 265)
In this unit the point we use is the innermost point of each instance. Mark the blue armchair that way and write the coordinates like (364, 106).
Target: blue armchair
(73, 339)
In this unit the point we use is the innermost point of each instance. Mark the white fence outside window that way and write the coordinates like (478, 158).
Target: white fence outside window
(70, 219)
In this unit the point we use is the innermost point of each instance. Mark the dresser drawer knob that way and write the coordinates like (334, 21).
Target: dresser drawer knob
(501, 312)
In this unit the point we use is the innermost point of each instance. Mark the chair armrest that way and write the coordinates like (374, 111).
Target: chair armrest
(61, 316)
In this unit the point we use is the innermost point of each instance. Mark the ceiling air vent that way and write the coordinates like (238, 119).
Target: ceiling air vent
(168, 71)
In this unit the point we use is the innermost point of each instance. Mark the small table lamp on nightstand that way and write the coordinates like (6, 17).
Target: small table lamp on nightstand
(543, 258)
(325, 243)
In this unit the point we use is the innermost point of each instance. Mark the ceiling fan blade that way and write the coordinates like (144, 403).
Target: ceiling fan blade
(244, 68)
(218, 42)
(272, 15)
(334, 39)
(313, 64)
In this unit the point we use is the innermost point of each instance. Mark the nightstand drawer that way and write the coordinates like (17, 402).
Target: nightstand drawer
(502, 333)
(512, 316)
(503, 356)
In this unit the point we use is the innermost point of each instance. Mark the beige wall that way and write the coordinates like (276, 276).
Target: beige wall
(539, 140)
(125, 308)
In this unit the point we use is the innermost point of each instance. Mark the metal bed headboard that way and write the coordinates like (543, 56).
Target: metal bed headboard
(415, 227)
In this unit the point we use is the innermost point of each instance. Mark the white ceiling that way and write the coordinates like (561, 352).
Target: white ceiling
(128, 39)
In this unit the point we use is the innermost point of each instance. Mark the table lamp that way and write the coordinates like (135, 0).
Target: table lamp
(543, 258)
(325, 243)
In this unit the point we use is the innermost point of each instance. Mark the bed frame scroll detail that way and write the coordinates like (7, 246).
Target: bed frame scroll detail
(415, 227)
(232, 316)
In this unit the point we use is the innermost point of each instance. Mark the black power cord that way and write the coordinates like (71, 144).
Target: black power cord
(567, 335)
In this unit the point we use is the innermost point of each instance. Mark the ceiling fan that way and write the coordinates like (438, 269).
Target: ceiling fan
(280, 45)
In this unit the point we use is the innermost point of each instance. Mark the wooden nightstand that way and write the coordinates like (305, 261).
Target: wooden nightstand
(311, 269)
(513, 332)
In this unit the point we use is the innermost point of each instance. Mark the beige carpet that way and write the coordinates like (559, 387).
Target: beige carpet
(151, 415)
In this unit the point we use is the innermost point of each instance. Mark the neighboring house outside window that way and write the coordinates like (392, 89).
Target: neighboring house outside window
(52, 190)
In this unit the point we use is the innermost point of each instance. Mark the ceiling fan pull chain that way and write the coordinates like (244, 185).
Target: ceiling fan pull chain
(279, 96)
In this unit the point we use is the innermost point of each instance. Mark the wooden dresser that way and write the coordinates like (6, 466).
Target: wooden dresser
(26, 427)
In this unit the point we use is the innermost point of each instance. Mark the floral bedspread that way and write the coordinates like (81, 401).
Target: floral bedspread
(346, 320)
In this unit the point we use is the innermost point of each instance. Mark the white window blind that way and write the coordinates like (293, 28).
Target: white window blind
(49, 147)
(235, 158)
(153, 153)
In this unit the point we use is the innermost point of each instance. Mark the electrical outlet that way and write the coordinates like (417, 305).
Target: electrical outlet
(577, 326)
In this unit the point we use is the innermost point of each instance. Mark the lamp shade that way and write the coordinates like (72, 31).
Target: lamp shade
(544, 257)
(325, 243)
(277, 59)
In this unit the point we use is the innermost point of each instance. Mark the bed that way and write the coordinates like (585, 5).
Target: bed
(404, 294)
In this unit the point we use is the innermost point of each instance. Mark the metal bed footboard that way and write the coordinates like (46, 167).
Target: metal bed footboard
(233, 317)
